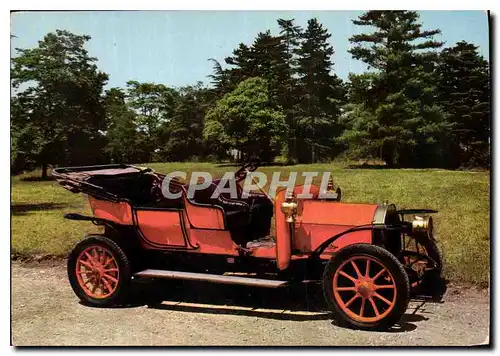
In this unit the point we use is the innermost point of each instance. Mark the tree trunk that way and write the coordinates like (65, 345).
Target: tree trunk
(44, 171)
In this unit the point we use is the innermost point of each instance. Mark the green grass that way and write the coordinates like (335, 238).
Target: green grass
(462, 198)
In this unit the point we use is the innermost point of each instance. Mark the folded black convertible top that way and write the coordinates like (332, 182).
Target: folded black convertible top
(77, 179)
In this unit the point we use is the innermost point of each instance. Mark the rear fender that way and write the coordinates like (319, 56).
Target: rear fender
(112, 230)
(80, 217)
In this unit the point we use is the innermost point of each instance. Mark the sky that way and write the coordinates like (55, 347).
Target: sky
(173, 47)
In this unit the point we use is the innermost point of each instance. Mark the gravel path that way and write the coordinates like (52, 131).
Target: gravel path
(46, 312)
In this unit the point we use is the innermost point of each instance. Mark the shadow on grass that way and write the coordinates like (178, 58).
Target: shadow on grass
(302, 302)
(367, 166)
(37, 179)
(262, 164)
(21, 209)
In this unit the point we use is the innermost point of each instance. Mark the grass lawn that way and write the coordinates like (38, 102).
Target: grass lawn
(462, 226)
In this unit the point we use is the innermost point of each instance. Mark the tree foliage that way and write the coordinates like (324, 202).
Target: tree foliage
(124, 139)
(416, 105)
(243, 120)
(297, 66)
(321, 93)
(393, 108)
(57, 111)
(183, 134)
(464, 92)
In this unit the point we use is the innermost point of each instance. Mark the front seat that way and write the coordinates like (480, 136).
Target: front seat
(236, 212)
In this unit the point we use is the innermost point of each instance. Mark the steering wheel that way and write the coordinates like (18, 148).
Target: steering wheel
(247, 168)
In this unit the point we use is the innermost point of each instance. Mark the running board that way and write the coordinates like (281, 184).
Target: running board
(215, 278)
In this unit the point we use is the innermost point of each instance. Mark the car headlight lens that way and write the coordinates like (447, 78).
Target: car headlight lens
(422, 225)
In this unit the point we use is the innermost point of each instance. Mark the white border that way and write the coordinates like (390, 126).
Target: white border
(248, 5)
(6, 6)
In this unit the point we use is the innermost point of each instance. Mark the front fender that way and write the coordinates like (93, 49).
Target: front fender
(368, 227)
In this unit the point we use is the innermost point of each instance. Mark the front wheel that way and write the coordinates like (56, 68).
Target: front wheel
(366, 287)
(99, 271)
(423, 261)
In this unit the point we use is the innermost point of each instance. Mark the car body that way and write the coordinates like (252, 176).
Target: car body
(357, 251)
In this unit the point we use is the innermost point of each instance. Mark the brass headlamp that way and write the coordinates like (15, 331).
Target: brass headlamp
(289, 207)
(422, 225)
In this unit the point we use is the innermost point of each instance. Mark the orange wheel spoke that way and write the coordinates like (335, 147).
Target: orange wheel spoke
(352, 300)
(367, 271)
(90, 258)
(113, 279)
(107, 285)
(110, 270)
(374, 306)
(89, 280)
(108, 261)
(358, 273)
(86, 264)
(379, 274)
(362, 310)
(375, 294)
(348, 276)
(343, 289)
(385, 286)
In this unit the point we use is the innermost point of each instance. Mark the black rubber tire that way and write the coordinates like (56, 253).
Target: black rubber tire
(424, 285)
(387, 260)
(432, 249)
(123, 265)
(432, 283)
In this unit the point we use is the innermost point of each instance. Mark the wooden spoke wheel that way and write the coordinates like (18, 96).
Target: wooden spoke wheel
(366, 287)
(419, 256)
(364, 296)
(98, 271)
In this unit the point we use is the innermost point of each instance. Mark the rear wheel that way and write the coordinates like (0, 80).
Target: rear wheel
(366, 287)
(99, 271)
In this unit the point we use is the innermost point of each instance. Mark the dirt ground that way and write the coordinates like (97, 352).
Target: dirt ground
(46, 312)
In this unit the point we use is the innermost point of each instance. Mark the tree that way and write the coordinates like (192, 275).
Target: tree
(57, 107)
(465, 95)
(154, 105)
(321, 93)
(124, 140)
(265, 58)
(290, 36)
(183, 135)
(220, 79)
(269, 57)
(398, 113)
(245, 120)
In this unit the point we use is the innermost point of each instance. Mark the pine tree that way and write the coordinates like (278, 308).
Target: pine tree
(321, 94)
(290, 35)
(404, 121)
(220, 79)
(465, 94)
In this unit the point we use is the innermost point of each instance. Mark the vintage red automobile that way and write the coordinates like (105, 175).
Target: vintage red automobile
(369, 258)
